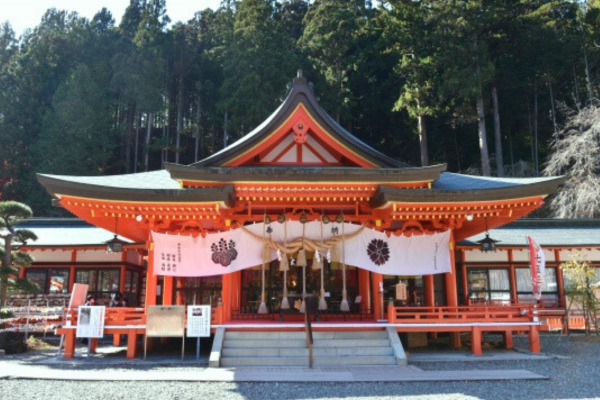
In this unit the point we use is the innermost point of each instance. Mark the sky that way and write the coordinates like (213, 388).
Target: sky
(23, 14)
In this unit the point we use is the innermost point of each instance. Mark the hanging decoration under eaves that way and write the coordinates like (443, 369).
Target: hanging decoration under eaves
(176, 255)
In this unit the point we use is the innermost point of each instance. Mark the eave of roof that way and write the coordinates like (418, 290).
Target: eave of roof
(110, 188)
(66, 232)
(304, 174)
(455, 188)
(547, 232)
(300, 92)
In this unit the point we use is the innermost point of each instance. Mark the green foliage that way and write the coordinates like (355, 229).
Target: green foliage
(12, 238)
(80, 96)
(582, 288)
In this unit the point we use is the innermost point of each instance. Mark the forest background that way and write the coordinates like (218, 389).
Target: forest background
(482, 85)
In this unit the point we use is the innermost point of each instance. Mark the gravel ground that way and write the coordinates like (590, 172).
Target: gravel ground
(575, 377)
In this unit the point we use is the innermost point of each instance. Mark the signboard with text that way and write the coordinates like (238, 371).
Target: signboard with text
(90, 321)
(198, 321)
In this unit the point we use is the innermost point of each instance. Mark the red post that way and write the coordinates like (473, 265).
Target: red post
(513, 277)
(132, 344)
(180, 282)
(452, 291)
(151, 279)
(167, 291)
(560, 282)
(72, 271)
(378, 312)
(429, 291)
(227, 296)
(69, 343)
(534, 339)
(363, 287)
(476, 341)
(508, 339)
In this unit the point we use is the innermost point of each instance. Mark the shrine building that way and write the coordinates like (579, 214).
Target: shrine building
(300, 208)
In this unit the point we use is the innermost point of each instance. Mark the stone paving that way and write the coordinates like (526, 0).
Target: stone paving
(169, 368)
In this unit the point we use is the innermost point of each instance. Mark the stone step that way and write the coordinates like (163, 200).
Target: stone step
(351, 343)
(265, 352)
(288, 348)
(354, 360)
(352, 351)
(301, 335)
(265, 335)
(303, 352)
(350, 335)
(303, 361)
(264, 361)
(263, 343)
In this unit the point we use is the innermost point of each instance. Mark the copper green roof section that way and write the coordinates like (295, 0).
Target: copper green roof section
(144, 187)
(304, 174)
(301, 92)
(547, 232)
(57, 232)
(454, 188)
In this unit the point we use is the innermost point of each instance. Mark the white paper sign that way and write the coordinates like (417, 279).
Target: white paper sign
(90, 321)
(198, 321)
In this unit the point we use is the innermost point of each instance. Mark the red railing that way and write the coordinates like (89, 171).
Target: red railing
(461, 314)
(119, 316)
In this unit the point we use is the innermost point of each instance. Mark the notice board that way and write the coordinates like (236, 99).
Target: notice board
(165, 321)
(90, 321)
(198, 321)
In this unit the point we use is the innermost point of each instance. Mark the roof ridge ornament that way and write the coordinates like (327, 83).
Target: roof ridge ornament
(300, 79)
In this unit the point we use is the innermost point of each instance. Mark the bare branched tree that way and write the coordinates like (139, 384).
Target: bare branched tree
(576, 154)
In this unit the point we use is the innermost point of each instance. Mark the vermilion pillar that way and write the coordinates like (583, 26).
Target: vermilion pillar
(451, 290)
(167, 290)
(72, 271)
(377, 310)
(180, 284)
(151, 279)
(560, 282)
(513, 278)
(122, 272)
(363, 287)
(227, 294)
(429, 291)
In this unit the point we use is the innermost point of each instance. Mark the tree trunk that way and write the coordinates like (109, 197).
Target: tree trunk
(483, 147)
(577, 99)
(197, 130)
(423, 141)
(497, 134)
(129, 134)
(137, 142)
(225, 135)
(148, 133)
(179, 119)
(587, 76)
(552, 102)
(456, 147)
(535, 130)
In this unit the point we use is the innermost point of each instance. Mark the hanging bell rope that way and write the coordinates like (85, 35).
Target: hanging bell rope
(262, 308)
(284, 266)
(301, 261)
(322, 302)
(293, 246)
(344, 306)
